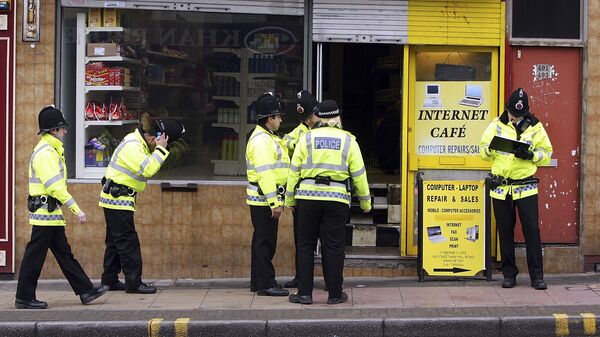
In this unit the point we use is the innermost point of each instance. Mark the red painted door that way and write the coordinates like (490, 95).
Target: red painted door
(7, 68)
(551, 76)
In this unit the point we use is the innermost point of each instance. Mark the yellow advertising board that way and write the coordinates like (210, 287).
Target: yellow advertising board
(451, 117)
(453, 228)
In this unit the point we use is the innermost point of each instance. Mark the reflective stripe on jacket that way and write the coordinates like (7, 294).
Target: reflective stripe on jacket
(48, 176)
(267, 164)
(328, 152)
(291, 139)
(131, 165)
(506, 164)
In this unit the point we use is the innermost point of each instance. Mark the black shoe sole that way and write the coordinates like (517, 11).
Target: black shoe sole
(141, 292)
(23, 306)
(91, 298)
(300, 301)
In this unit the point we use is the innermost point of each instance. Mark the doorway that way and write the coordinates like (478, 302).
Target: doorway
(366, 82)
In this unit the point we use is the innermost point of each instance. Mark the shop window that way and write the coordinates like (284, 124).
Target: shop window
(205, 69)
(453, 66)
(546, 19)
(453, 99)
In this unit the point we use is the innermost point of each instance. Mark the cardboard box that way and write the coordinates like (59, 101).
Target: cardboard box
(110, 17)
(97, 76)
(103, 49)
(95, 17)
(95, 158)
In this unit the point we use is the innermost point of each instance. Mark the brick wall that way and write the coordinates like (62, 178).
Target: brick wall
(591, 128)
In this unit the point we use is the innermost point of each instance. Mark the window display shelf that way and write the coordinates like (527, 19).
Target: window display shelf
(226, 50)
(237, 75)
(105, 30)
(90, 163)
(110, 123)
(235, 127)
(227, 74)
(111, 59)
(170, 85)
(89, 88)
(234, 99)
(254, 75)
(165, 56)
(94, 172)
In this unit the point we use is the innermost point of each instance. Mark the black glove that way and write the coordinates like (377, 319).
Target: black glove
(524, 154)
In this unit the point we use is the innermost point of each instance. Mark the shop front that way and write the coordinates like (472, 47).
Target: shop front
(417, 82)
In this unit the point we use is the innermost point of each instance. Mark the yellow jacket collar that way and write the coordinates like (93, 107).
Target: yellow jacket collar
(54, 142)
(139, 136)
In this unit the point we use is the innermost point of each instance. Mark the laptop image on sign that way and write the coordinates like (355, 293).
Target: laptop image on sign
(473, 95)
(432, 96)
(434, 234)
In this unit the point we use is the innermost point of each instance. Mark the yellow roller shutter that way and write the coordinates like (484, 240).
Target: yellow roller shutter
(444, 22)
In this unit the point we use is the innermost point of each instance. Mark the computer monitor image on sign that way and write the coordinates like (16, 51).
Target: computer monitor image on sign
(473, 233)
(434, 234)
(432, 96)
(473, 95)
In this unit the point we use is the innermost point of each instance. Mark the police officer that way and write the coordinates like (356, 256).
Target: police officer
(267, 163)
(307, 106)
(137, 158)
(514, 187)
(47, 192)
(327, 167)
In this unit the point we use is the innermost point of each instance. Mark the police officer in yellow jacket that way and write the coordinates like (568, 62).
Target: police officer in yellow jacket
(307, 106)
(326, 169)
(47, 192)
(513, 185)
(267, 164)
(137, 158)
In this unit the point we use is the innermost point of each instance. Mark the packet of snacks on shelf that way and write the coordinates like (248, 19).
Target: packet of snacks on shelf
(118, 111)
(95, 111)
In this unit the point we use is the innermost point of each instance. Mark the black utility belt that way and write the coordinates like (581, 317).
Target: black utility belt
(280, 189)
(496, 180)
(36, 202)
(116, 190)
(325, 180)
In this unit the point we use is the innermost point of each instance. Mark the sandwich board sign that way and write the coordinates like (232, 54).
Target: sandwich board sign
(454, 228)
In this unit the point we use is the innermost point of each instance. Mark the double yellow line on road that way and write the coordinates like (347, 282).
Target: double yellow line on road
(181, 327)
(562, 324)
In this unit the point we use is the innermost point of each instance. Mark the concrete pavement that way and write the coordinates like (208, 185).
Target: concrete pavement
(376, 307)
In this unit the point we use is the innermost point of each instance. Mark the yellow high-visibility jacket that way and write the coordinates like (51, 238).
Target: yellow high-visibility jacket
(506, 164)
(291, 139)
(131, 165)
(329, 152)
(267, 164)
(48, 176)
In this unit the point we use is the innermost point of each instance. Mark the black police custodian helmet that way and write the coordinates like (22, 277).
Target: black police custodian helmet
(518, 103)
(308, 102)
(51, 118)
(267, 105)
(172, 127)
(328, 109)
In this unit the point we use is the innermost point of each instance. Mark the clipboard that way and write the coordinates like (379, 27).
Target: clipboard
(507, 145)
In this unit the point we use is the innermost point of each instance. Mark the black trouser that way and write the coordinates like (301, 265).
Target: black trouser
(264, 243)
(325, 220)
(122, 249)
(42, 238)
(295, 215)
(504, 211)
